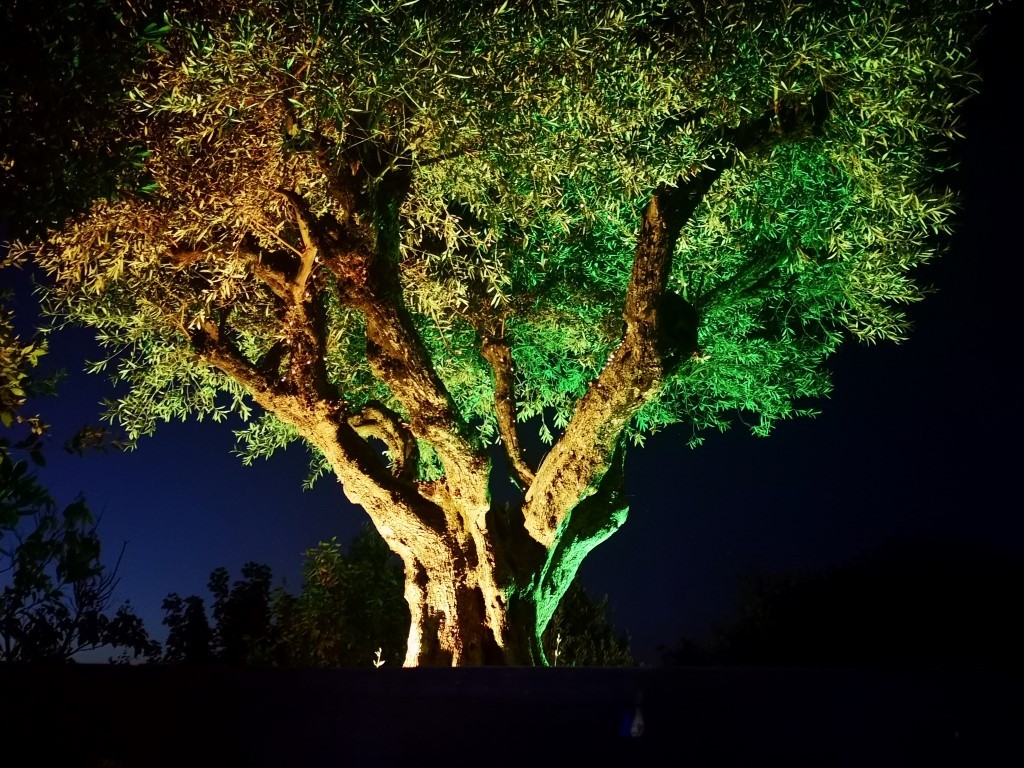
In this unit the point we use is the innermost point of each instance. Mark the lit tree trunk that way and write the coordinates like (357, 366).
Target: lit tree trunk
(484, 589)
(481, 582)
(276, 208)
(490, 605)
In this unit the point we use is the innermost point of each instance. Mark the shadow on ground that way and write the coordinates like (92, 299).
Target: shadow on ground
(85, 715)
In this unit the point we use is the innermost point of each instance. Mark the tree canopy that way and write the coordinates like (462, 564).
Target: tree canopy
(422, 225)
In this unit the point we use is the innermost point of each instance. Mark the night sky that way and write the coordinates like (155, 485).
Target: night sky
(918, 439)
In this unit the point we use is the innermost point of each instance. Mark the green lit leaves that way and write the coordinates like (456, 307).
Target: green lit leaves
(532, 139)
(262, 437)
(153, 35)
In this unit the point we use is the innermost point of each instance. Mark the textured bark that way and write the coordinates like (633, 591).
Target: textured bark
(481, 581)
(494, 347)
(573, 468)
(476, 596)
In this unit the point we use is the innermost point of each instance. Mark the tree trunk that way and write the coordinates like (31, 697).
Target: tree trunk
(466, 609)
(452, 626)
(449, 616)
(485, 597)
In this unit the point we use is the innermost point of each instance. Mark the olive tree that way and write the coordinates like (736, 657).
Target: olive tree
(404, 232)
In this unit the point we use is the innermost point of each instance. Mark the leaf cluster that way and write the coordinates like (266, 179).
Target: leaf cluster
(17, 364)
(533, 135)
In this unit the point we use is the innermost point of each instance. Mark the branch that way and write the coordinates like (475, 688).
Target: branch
(392, 502)
(271, 278)
(312, 241)
(495, 350)
(395, 505)
(592, 521)
(412, 525)
(365, 263)
(213, 349)
(398, 357)
(304, 324)
(378, 421)
(575, 465)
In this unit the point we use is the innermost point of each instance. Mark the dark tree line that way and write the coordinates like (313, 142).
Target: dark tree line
(915, 602)
(56, 595)
(350, 607)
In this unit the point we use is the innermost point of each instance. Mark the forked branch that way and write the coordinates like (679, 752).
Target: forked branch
(496, 352)
(574, 467)
(494, 347)
(365, 479)
(378, 421)
(398, 357)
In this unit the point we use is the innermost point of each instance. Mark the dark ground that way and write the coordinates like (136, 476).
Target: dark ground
(118, 717)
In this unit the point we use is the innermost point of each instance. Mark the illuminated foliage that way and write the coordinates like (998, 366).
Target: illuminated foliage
(424, 223)
(17, 360)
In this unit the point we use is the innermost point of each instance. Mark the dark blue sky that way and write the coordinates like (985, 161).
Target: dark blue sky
(917, 439)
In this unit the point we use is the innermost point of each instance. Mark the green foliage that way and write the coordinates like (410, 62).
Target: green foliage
(17, 364)
(534, 134)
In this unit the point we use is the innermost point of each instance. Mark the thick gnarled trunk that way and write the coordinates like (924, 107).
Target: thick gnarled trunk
(485, 598)
(470, 604)
(457, 621)
(450, 624)
(481, 582)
